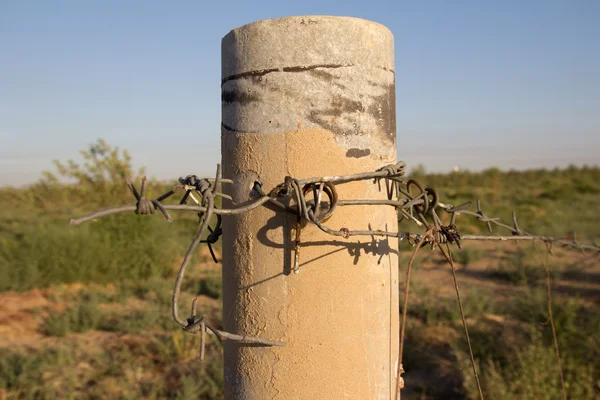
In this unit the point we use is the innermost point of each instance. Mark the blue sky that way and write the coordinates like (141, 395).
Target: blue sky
(514, 84)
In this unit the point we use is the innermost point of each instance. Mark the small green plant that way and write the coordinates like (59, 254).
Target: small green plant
(56, 324)
(80, 317)
(520, 269)
(211, 286)
(204, 382)
(478, 302)
(138, 321)
(117, 360)
(577, 325)
(530, 373)
(155, 290)
(189, 388)
(468, 255)
(427, 307)
(26, 373)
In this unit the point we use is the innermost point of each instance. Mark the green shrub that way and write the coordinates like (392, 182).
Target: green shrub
(80, 317)
(211, 286)
(110, 250)
(520, 268)
(424, 305)
(530, 373)
(468, 255)
(25, 372)
(140, 320)
(57, 324)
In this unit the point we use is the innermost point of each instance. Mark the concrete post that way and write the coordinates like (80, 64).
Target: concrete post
(309, 96)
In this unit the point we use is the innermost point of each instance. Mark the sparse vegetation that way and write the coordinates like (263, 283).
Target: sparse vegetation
(79, 317)
(101, 324)
(469, 255)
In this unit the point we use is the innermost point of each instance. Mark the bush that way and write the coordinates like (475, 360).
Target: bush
(27, 372)
(519, 269)
(531, 373)
(468, 255)
(110, 250)
(81, 317)
(139, 321)
(211, 286)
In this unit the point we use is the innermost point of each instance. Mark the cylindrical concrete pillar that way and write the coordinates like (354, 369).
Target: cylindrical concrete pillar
(306, 97)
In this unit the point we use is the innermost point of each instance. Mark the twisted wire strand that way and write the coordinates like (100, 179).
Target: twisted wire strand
(414, 207)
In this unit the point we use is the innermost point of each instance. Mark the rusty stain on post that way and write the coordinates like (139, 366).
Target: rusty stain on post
(309, 96)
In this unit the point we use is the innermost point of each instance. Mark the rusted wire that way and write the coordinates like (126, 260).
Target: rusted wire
(411, 200)
(419, 204)
(195, 324)
(546, 263)
(399, 379)
(448, 257)
(208, 202)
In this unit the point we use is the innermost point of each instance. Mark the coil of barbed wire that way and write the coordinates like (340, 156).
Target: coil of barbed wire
(412, 201)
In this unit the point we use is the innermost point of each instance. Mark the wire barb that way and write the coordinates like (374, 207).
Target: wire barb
(409, 198)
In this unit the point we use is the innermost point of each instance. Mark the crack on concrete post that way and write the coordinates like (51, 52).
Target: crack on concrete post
(293, 69)
(248, 74)
(233, 130)
(257, 75)
(273, 378)
(301, 68)
(296, 101)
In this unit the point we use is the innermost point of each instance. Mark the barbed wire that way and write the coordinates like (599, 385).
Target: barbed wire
(546, 264)
(413, 202)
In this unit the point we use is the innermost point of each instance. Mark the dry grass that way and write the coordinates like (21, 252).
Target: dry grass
(84, 312)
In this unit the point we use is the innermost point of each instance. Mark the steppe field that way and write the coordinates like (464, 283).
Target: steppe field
(85, 311)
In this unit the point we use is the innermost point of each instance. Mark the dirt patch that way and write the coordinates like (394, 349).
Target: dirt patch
(19, 317)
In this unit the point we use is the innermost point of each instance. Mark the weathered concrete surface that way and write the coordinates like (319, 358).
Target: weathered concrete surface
(309, 96)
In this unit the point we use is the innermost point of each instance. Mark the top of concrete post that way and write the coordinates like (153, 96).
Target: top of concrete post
(347, 41)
